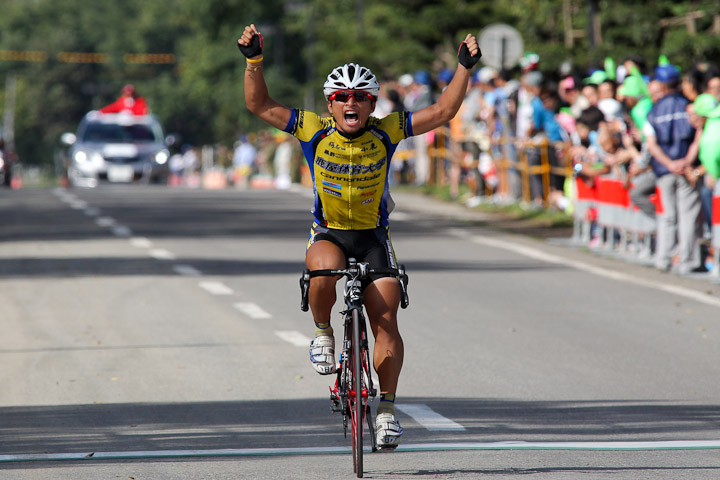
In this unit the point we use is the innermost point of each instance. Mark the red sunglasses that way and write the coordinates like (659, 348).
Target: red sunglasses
(344, 95)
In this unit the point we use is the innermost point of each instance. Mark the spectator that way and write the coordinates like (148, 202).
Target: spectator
(282, 160)
(707, 110)
(570, 92)
(590, 92)
(670, 139)
(545, 124)
(634, 94)
(419, 97)
(244, 157)
(129, 101)
(711, 82)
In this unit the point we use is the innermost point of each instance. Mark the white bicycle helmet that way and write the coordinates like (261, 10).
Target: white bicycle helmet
(351, 77)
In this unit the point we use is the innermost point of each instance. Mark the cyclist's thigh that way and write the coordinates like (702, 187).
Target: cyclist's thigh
(324, 251)
(382, 298)
(324, 254)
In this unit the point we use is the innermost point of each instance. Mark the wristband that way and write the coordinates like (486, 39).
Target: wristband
(257, 60)
(254, 49)
(466, 60)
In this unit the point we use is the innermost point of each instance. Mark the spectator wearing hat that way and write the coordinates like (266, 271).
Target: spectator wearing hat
(634, 94)
(671, 142)
(706, 109)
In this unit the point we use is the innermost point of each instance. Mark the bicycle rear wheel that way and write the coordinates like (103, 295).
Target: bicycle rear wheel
(357, 409)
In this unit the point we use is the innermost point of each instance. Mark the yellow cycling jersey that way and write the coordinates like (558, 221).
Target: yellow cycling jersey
(350, 175)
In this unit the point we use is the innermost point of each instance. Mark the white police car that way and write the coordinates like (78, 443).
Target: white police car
(117, 148)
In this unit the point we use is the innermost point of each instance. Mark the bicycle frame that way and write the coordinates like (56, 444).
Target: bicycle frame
(354, 389)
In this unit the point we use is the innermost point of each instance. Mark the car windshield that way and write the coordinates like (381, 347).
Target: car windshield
(113, 133)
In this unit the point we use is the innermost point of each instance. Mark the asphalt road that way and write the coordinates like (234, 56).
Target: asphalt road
(155, 333)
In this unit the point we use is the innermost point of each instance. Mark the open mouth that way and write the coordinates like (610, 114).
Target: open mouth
(351, 118)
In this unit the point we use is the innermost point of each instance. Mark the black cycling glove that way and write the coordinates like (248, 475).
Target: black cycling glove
(254, 49)
(466, 60)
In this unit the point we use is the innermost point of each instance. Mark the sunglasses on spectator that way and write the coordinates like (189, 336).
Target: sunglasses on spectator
(344, 95)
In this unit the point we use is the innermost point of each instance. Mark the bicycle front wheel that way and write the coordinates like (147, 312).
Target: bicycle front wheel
(356, 400)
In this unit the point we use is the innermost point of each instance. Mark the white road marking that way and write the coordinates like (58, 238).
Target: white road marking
(187, 271)
(77, 204)
(105, 221)
(121, 231)
(216, 288)
(162, 254)
(410, 447)
(61, 192)
(586, 267)
(140, 242)
(429, 418)
(252, 310)
(92, 211)
(294, 337)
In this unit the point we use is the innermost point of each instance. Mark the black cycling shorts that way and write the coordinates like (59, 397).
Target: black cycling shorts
(372, 246)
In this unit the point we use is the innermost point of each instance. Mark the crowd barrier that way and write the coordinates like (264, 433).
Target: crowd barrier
(603, 204)
(621, 226)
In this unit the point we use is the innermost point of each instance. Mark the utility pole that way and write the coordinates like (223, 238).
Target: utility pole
(360, 16)
(9, 115)
(594, 33)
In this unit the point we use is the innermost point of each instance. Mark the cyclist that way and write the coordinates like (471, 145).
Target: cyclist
(349, 155)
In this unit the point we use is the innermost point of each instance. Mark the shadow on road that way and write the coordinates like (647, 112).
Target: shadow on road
(304, 423)
(69, 267)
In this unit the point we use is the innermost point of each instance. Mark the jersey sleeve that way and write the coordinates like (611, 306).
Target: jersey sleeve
(304, 124)
(397, 126)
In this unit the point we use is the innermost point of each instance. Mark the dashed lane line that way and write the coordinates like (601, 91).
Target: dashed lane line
(121, 231)
(91, 211)
(252, 310)
(187, 270)
(215, 288)
(162, 254)
(105, 221)
(294, 337)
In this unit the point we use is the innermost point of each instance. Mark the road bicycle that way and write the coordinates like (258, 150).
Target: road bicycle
(354, 388)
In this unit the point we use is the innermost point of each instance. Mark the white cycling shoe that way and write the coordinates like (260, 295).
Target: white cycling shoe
(387, 431)
(322, 354)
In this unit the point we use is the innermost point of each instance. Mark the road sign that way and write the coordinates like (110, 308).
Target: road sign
(501, 46)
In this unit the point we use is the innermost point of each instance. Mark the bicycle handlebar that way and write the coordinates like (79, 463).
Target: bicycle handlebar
(357, 271)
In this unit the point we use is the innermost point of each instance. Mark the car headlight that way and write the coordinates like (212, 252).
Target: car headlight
(80, 156)
(161, 157)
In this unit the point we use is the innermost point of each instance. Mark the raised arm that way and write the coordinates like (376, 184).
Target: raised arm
(449, 102)
(257, 98)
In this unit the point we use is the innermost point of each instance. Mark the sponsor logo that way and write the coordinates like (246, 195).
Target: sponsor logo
(352, 179)
(344, 168)
(367, 200)
(330, 184)
(368, 194)
(332, 192)
(336, 146)
(361, 187)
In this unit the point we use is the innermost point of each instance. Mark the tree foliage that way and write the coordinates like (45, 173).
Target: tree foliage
(200, 96)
